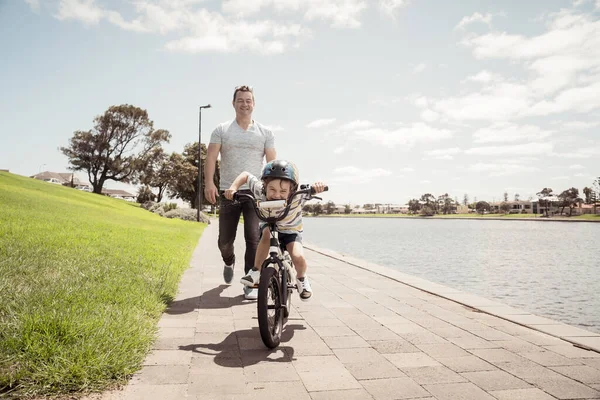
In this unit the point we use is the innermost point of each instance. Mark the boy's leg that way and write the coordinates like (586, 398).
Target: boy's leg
(296, 250)
(251, 232)
(229, 217)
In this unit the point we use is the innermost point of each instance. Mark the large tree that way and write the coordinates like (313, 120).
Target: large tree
(185, 174)
(587, 191)
(158, 172)
(570, 198)
(482, 206)
(414, 206)
(115, 148)
(543, 196)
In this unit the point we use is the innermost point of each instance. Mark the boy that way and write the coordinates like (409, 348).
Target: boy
(279, 181)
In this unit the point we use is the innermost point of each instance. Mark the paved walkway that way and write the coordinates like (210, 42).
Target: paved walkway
(364, 335)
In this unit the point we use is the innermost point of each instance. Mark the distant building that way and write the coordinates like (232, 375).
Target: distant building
(119, 194)
(62, 178)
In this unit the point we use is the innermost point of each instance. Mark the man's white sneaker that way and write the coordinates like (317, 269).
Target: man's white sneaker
(304, 289)
(251, 278)
(250, 293)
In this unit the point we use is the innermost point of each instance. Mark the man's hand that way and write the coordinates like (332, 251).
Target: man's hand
(318, 187)
(211, 192)
(229, 193)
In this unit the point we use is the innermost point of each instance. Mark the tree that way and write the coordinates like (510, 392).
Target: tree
(427, 210)
(158, 172)
(308, 208)
(429, 201)
(317, 209)
(145, 194)
(570, 198)
(505, 196)
(330, 207)
(444, 204)
(185, 174)
(115, 148)
(505, 207)
(465, 200)
(482, 206)
(368, 206)
(414, 206)
(517, 196)
(588, 194)
(543, 196)
(347, 209)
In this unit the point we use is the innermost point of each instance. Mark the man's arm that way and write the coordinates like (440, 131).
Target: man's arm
(270, 154)
(212, 152)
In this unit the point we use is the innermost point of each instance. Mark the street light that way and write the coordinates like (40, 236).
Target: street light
(200, 159)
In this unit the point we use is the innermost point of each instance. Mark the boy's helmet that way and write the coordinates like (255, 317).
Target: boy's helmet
(280, 169)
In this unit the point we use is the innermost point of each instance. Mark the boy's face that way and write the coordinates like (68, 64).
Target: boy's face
(278, 189)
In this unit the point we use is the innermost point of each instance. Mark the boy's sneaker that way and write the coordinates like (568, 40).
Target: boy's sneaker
(228, 273)
(304, 289)
(251, 278)
(250, 293)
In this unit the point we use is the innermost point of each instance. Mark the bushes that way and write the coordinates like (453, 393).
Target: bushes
(170, 210)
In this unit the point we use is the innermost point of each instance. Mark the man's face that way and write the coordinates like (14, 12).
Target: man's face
(278, 189)
(243, 103)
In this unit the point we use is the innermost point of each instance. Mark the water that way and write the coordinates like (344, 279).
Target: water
(546, 268)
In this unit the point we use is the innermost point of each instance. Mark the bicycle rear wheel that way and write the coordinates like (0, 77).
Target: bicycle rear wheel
(270, 312)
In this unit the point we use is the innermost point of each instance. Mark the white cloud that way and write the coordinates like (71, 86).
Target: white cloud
(584, 152)
(421, 101)
(34, 4)
(340, 149)
(359, 175)
(512, 150)
(443, 154)
(577, 166)
(405, 136)
(560, 178)
(389, 7)
(429, 115)
(579, 125)
(419, 68)
(320, 123)
(425, 181)
(340, 13)
(579, 99)
(497, 102)
(85, 11)
(484, 77)
(505, 169)
(507, 132)
(407, 169)
(571, 46)
(476, 17)
(358, 124)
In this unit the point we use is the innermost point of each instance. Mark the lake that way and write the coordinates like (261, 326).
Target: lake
(546, 268)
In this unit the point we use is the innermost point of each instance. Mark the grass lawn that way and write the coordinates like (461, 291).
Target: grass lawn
(83, 281)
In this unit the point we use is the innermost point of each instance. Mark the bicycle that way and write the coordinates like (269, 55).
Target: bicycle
(274, 299)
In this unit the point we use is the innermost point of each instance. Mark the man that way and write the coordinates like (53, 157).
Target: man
(243, 144)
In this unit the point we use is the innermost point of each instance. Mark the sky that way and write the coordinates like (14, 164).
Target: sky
(383, 100)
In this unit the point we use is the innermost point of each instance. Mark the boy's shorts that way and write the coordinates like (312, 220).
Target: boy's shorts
(285, 238)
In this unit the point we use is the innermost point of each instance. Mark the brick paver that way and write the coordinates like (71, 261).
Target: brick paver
(362, 336)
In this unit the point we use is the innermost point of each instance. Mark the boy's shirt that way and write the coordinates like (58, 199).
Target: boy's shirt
(292, 223)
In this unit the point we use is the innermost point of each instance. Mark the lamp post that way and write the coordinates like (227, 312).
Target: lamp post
(200, 158)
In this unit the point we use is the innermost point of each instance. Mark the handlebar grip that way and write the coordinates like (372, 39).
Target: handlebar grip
(312, 190)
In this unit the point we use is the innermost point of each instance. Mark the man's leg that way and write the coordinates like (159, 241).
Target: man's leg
(251, 233)
(296, 250)
(229, 217)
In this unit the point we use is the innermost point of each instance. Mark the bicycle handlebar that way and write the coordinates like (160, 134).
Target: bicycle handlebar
(304, 189)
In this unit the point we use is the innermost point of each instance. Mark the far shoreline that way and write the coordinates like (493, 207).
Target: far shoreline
(578, 218)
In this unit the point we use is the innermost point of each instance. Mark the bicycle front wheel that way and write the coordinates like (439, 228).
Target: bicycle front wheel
(270, 312)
